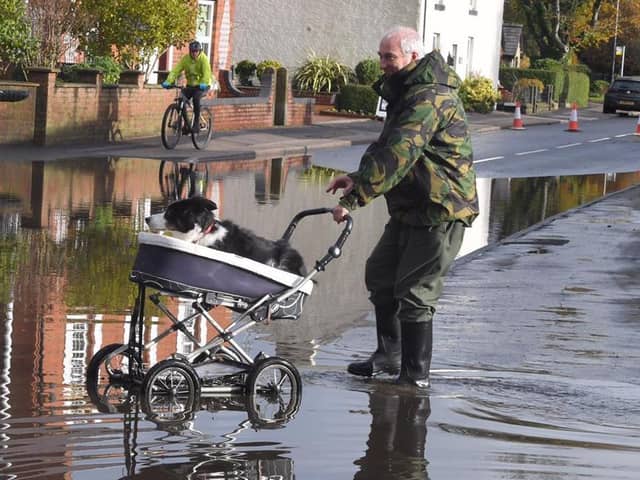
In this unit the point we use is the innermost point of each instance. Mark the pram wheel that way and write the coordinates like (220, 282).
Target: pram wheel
(171, 388)
(110, 365)
(274, 390)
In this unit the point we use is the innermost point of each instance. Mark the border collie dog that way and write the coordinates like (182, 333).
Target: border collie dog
(193, 220)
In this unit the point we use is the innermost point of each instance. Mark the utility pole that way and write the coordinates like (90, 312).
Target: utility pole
(615, 43)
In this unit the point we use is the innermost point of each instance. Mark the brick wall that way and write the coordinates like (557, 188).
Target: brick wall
(92, 113)
(17, 119)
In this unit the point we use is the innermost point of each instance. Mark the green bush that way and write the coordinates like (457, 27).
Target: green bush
(599, 87)
(555, 77)
(263, 65)
(245, 69)
(478, 94)
(107, 65)
(368, 71)
(547, 64)
(357, 98)
(322, 74)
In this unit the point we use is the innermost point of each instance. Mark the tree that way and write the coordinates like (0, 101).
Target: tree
(51, 23)
(135, 32)
(16, 44)
(558, 28)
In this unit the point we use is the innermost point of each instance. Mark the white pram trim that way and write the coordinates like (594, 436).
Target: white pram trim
(282, 277)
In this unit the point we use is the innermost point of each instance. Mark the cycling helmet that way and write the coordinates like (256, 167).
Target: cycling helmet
(195, 46)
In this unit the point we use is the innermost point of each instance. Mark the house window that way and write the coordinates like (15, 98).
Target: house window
(436, 41)
(439, 5)
(452, 58)
(204, 25)
(473, 7)
(469, 56)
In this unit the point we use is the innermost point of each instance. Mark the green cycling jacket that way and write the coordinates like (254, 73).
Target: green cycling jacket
(422, 162)
(197, 71)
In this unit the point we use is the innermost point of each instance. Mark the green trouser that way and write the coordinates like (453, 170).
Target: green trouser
(405, 272)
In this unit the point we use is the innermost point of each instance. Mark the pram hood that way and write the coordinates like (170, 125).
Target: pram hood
(210, 269)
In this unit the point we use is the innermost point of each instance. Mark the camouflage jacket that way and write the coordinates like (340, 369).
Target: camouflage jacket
(422, 161)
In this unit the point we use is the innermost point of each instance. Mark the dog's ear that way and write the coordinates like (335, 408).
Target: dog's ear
(211, 205)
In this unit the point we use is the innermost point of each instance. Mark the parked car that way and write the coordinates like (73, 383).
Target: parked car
(623, 94)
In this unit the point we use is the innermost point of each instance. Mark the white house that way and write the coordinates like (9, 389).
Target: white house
(466, 31)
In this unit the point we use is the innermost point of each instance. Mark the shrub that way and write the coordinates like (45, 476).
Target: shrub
(107, 65)
(599, 87)
(357, 98)
(263, 65)
(478, 94)
(245, 69)
(368, 71)
(547, 64)
(322, 74)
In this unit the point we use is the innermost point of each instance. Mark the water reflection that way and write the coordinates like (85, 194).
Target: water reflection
(67, 242)
(177, 449)
(398, 435)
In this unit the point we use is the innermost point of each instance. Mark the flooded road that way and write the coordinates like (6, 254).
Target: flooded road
(510, 399)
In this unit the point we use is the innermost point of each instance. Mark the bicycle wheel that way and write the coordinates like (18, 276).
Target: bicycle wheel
(171, 127)
(201, 139)
(110, 365)
(182, 180)
(274, 390)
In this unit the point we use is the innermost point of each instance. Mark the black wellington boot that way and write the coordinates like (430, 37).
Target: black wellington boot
(417, 343)
(386, 358)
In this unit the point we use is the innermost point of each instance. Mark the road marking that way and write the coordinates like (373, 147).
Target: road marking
(624, 135)
(487, 159)
(569, 145)
(532, 151)
(599, 140)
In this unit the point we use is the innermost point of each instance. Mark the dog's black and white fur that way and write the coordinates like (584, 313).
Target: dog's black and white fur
(193, 220)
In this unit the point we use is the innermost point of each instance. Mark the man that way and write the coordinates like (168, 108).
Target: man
(197, 70)
(422, 164)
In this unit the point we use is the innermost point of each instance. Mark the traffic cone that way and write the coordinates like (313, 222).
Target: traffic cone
(638, 126)
(573, 119)
(517, 119)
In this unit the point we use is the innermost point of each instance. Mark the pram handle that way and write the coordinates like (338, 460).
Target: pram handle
(336, 249)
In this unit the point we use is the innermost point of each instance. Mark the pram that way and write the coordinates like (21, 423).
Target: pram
(174, 269)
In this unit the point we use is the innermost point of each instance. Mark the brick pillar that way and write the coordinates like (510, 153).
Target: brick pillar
(46, 79)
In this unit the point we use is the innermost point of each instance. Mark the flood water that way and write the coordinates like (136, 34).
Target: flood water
(67, 243)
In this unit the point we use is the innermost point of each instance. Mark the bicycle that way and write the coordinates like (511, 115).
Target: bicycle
(180, 180)
(177, 121)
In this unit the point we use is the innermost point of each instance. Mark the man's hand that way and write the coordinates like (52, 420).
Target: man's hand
(343, 182)
(204, 87)
(339, 213)
(166, 84)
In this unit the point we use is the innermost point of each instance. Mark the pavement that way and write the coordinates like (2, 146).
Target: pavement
(326, 132)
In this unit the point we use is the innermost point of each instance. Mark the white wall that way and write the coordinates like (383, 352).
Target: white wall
(455, 25)
(289, 30)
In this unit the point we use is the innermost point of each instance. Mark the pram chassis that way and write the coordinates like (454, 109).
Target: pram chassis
(234, 370)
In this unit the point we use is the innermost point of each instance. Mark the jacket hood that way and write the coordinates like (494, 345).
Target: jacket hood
(430, 69)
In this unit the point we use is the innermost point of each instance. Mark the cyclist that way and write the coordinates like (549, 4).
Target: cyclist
(197, 70)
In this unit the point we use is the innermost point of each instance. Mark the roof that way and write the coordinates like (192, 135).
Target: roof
(511, 36)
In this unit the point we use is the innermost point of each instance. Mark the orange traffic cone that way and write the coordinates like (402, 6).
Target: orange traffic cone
(638, 126)
(517, 119)
(573, 119)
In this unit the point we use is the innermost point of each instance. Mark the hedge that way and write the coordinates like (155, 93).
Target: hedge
(357, 98)
(570, 83)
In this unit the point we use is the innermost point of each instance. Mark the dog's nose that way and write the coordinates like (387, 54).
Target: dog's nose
(146, 220)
